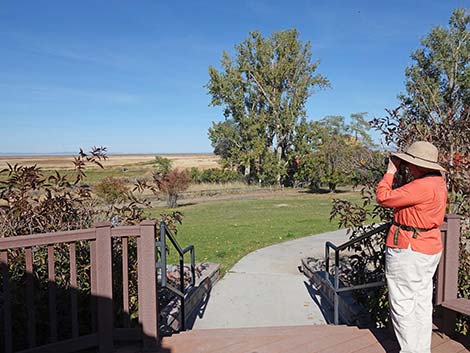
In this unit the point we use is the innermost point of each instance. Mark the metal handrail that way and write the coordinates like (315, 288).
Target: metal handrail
(164, 234)
(335, 286)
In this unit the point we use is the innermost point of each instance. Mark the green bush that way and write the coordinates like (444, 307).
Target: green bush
(162, 165)
(112, 189)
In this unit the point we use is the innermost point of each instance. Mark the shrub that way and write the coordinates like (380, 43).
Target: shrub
(162, 165)
(368, 261)
(35, 204)
(112, 190)
(172, 183)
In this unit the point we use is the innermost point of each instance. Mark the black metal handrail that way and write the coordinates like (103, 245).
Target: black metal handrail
(164, 234)
(335, 286)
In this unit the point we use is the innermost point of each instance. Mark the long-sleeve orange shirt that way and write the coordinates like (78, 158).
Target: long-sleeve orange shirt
(420, 204)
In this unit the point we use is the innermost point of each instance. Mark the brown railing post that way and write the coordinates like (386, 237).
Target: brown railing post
(93, 285)
(30, 309)
(147, 286)
(104, 287)
(451, 269)
(439, 294)
(53, 336)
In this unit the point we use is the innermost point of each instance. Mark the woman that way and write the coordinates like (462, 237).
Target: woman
(413, 245)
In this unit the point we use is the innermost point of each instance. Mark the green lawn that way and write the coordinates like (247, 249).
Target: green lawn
(225, 231)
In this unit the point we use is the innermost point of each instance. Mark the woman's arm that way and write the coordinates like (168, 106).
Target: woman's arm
(407, 195)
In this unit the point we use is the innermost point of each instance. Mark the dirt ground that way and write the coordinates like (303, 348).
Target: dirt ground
(182, 161)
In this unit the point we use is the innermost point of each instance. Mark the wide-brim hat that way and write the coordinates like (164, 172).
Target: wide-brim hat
(421, 153)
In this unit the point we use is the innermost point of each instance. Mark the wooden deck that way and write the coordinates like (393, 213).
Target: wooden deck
(298, 339)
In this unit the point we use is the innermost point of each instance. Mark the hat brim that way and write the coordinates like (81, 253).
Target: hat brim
(418, 161)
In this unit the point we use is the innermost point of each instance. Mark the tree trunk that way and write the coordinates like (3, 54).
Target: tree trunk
(279, 161)
(314, 186)
(172, 200)
(247, 170)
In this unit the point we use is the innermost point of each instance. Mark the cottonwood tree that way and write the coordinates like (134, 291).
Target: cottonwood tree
(329, 151)
(334, 151)
(343, 147)
(304, 167)
(263, 90)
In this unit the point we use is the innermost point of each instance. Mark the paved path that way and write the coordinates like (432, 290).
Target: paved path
(265, 288)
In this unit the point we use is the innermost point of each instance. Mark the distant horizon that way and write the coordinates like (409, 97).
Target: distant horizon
(26, 154)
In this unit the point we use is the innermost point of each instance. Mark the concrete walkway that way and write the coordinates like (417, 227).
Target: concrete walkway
(265, 288)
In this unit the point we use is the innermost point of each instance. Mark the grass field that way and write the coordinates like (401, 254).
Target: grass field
(225, 231)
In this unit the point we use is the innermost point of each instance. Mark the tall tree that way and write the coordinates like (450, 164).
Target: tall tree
(304, 166)
(263, 90)
(329, 151)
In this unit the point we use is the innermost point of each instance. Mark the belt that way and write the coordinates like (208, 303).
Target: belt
(415, 230)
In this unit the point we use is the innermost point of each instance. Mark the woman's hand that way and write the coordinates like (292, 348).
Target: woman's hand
(393, 164)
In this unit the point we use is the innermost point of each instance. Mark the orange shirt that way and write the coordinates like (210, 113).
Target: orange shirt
(421, 204)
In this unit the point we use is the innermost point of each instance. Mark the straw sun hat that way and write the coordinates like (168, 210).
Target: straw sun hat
(421, 153)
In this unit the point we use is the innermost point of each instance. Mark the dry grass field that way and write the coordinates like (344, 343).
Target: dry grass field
(53, 162)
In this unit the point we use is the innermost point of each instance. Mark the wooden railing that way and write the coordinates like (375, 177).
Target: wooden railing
(102, 333)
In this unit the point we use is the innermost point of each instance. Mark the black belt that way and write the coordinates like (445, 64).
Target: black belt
(415, 230)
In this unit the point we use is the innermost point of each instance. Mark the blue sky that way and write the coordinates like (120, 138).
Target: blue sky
(129, 75)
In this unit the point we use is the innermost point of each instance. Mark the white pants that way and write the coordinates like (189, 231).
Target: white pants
(409, 280)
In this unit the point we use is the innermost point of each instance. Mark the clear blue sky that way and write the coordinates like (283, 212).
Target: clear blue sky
(129, 75)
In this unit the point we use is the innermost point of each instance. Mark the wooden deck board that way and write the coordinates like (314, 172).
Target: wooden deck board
(448, 345)
(300, 339)
(375, 348)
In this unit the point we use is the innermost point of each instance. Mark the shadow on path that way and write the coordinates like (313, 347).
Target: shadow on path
(323, 304)
(384, 336)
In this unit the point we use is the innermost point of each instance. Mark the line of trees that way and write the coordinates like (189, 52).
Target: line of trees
(266, 136)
